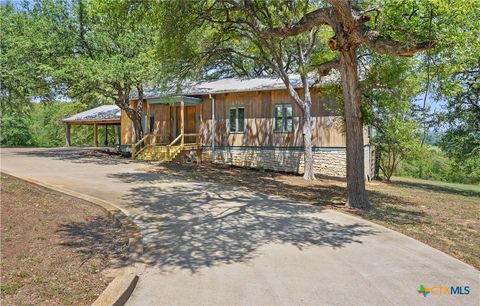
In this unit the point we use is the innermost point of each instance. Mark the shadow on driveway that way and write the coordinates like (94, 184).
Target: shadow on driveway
(99, 156)
(192, 225)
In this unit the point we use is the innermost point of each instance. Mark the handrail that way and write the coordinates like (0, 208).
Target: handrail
(176, 139)
(172, 143)
(141, 140)
(147, 139)
(134, 146)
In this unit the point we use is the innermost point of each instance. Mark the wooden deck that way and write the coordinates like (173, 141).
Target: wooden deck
(149, 149)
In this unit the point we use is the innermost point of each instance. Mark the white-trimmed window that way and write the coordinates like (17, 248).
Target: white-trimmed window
(237, 119)
(283, 118)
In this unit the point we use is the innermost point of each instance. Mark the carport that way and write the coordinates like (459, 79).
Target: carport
(105, 115)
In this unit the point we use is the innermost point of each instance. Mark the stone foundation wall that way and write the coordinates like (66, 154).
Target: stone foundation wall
(327, 161)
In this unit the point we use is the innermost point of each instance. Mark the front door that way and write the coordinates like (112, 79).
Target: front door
(176, 118)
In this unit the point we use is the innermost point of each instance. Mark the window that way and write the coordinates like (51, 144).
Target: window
(152, 123)
(283, 118)
(237, 119)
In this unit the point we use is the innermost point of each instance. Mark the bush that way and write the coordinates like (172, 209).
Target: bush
(14, 130)
(435, 165)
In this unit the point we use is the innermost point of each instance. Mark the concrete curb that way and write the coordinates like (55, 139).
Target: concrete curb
(122, 286)
(118, 291)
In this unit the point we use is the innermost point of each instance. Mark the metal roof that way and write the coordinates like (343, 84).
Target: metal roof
(240, 85)
(104, 112)
(196, 88)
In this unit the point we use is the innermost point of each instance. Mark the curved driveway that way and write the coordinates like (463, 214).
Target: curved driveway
(213, 244)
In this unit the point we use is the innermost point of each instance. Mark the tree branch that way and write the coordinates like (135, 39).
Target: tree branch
(392, 47)
(325, 68)
(321, 16)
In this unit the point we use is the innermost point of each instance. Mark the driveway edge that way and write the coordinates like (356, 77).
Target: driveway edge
(122, 286)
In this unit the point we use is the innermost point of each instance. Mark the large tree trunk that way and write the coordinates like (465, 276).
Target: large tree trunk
(137, 127)
(307, 140)
(357, 195)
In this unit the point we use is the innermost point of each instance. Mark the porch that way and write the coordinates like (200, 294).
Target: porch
(171, 127)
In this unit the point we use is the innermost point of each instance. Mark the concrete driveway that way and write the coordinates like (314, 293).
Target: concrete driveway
(213, 244)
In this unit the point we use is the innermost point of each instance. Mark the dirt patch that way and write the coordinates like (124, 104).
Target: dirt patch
(445, 218)
(55, 248)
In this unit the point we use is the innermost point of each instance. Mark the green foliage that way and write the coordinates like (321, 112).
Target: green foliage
(204, 40)
(461, 140)
(433, 164)
(41, 126)
(47, 128)
(114, 48)
(34, 40)
(397, 140)
(456, 68)
(14, 130)
(388, 88)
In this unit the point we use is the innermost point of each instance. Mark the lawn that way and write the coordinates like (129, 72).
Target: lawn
(444, 216)
(56, 249)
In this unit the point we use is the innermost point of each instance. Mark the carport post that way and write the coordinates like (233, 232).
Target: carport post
(106, 134)
(117, 140)
(182, 122)
(95, 135)
(67, 134)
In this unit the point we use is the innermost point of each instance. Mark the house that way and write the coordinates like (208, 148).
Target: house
(242, 122)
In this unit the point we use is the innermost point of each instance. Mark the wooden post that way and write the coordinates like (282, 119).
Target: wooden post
(117, 140)
(212, 135)
(95, 135)
(182, 118)
(147, 120)
(106, 134)
(174, 128)
(199, 126)
(67, 135)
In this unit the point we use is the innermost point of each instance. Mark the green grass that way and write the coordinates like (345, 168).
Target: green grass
(466, 189)
(10, 288)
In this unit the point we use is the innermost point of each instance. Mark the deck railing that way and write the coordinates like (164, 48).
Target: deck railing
(139, 146)
(172, 148)
(191, 138)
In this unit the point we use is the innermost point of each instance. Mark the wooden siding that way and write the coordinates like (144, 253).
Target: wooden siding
(161, 124)
(259, 121)
(259, 127)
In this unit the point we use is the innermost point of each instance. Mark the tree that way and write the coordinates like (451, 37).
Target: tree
(461, 140)
(456, 81)
(33, 40)
(389, 90)
(112, 55)
(47, 128)
(398, 139)
(84, 50)
(15, 131)
(351, 29)
(226, 38)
